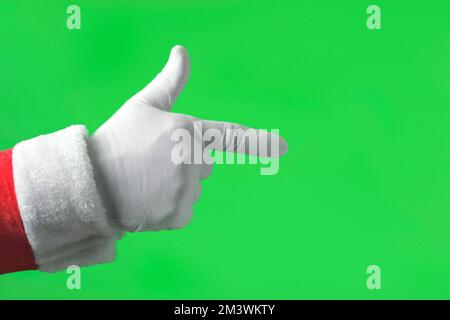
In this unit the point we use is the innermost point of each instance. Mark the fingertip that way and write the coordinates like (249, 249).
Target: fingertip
(283, 148)
(179, 49)
(179, 57)
(177, 69)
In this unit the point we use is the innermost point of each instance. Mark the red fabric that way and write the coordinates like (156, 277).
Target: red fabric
(15, 250)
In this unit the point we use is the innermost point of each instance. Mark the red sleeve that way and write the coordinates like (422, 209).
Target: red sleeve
(15, 251)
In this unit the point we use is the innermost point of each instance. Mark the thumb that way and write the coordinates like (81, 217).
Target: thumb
(162, 92)
(231, 137)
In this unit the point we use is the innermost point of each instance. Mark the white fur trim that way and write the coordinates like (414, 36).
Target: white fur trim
(61, 209)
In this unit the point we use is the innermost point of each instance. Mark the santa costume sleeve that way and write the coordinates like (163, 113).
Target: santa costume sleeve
(51, 214)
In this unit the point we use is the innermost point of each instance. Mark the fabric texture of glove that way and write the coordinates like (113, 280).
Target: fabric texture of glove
(62, 212)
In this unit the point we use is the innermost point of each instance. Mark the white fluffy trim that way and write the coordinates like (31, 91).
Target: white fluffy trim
(62, 212)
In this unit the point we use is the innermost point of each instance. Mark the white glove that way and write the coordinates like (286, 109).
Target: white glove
(143, 188)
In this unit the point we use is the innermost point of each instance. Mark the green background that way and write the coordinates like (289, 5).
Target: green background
(366, 114)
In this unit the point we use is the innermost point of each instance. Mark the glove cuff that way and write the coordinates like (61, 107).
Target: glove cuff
(62, 212)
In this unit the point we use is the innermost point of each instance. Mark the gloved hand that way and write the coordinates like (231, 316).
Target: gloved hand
(142, 187)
